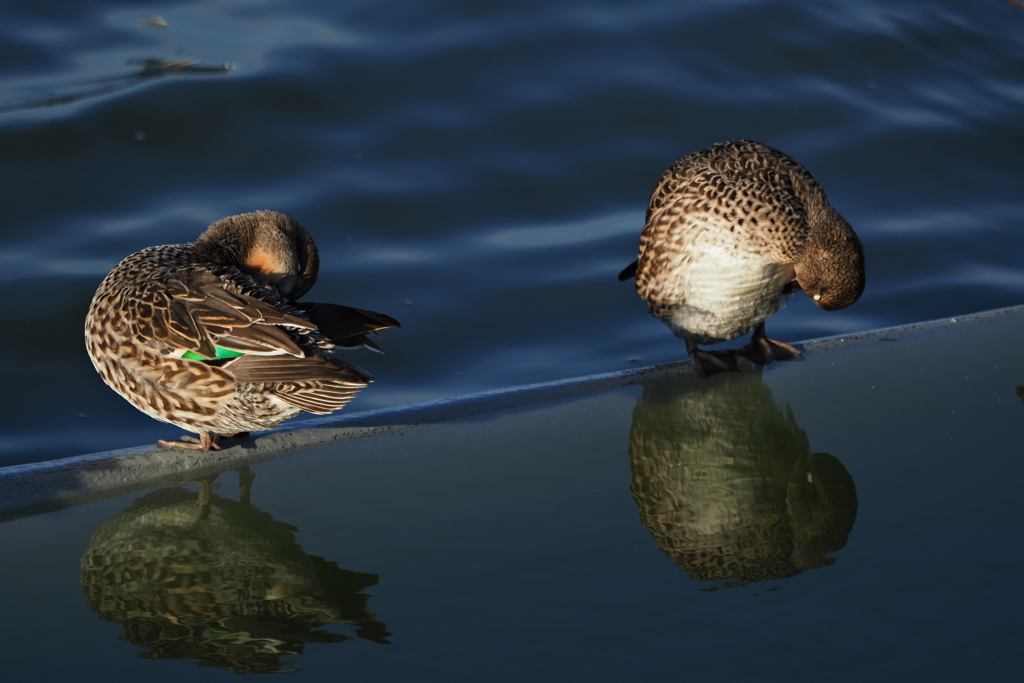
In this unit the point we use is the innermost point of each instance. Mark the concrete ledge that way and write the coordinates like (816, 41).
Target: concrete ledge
(38, 487)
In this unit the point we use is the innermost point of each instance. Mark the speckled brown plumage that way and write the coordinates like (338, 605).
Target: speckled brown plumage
(730, 231)
(162, 320)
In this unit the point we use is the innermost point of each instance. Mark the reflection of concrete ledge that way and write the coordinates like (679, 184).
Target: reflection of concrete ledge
(37, 487)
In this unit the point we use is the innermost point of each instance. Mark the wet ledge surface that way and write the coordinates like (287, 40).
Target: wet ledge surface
(36, 487)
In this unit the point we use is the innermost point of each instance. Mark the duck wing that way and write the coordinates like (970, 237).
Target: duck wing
(191, 310)
(315, 383)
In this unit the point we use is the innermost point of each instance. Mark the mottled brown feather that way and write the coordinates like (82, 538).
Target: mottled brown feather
(730, 231)
(234, 288)
(191, 311)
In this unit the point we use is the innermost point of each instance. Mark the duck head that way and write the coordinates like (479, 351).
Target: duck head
(267, 245)
(831, 267)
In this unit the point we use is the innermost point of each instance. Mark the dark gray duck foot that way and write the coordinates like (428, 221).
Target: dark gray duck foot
(762, 350)
(711, 362)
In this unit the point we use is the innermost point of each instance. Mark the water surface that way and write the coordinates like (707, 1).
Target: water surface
(481, 171)
(852, 516)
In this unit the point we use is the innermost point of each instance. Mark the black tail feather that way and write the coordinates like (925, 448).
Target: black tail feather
(347, 326)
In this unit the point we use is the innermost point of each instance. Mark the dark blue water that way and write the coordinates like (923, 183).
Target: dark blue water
(480, 170)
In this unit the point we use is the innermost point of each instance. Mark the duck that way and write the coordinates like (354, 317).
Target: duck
(731, 231)
(210, 337)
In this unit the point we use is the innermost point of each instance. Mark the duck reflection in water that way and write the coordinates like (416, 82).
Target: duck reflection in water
(221, 583)
(726, 482)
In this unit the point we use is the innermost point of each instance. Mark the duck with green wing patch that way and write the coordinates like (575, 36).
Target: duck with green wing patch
(209, 336)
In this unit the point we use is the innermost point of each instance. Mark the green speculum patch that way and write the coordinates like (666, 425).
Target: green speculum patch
(222, 353)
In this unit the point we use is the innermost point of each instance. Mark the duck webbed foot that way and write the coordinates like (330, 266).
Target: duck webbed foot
(711, 362)
(762, 350)
(205, 442)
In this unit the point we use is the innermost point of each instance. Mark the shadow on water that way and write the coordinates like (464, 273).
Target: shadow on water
(221, 583)
(728, 486)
